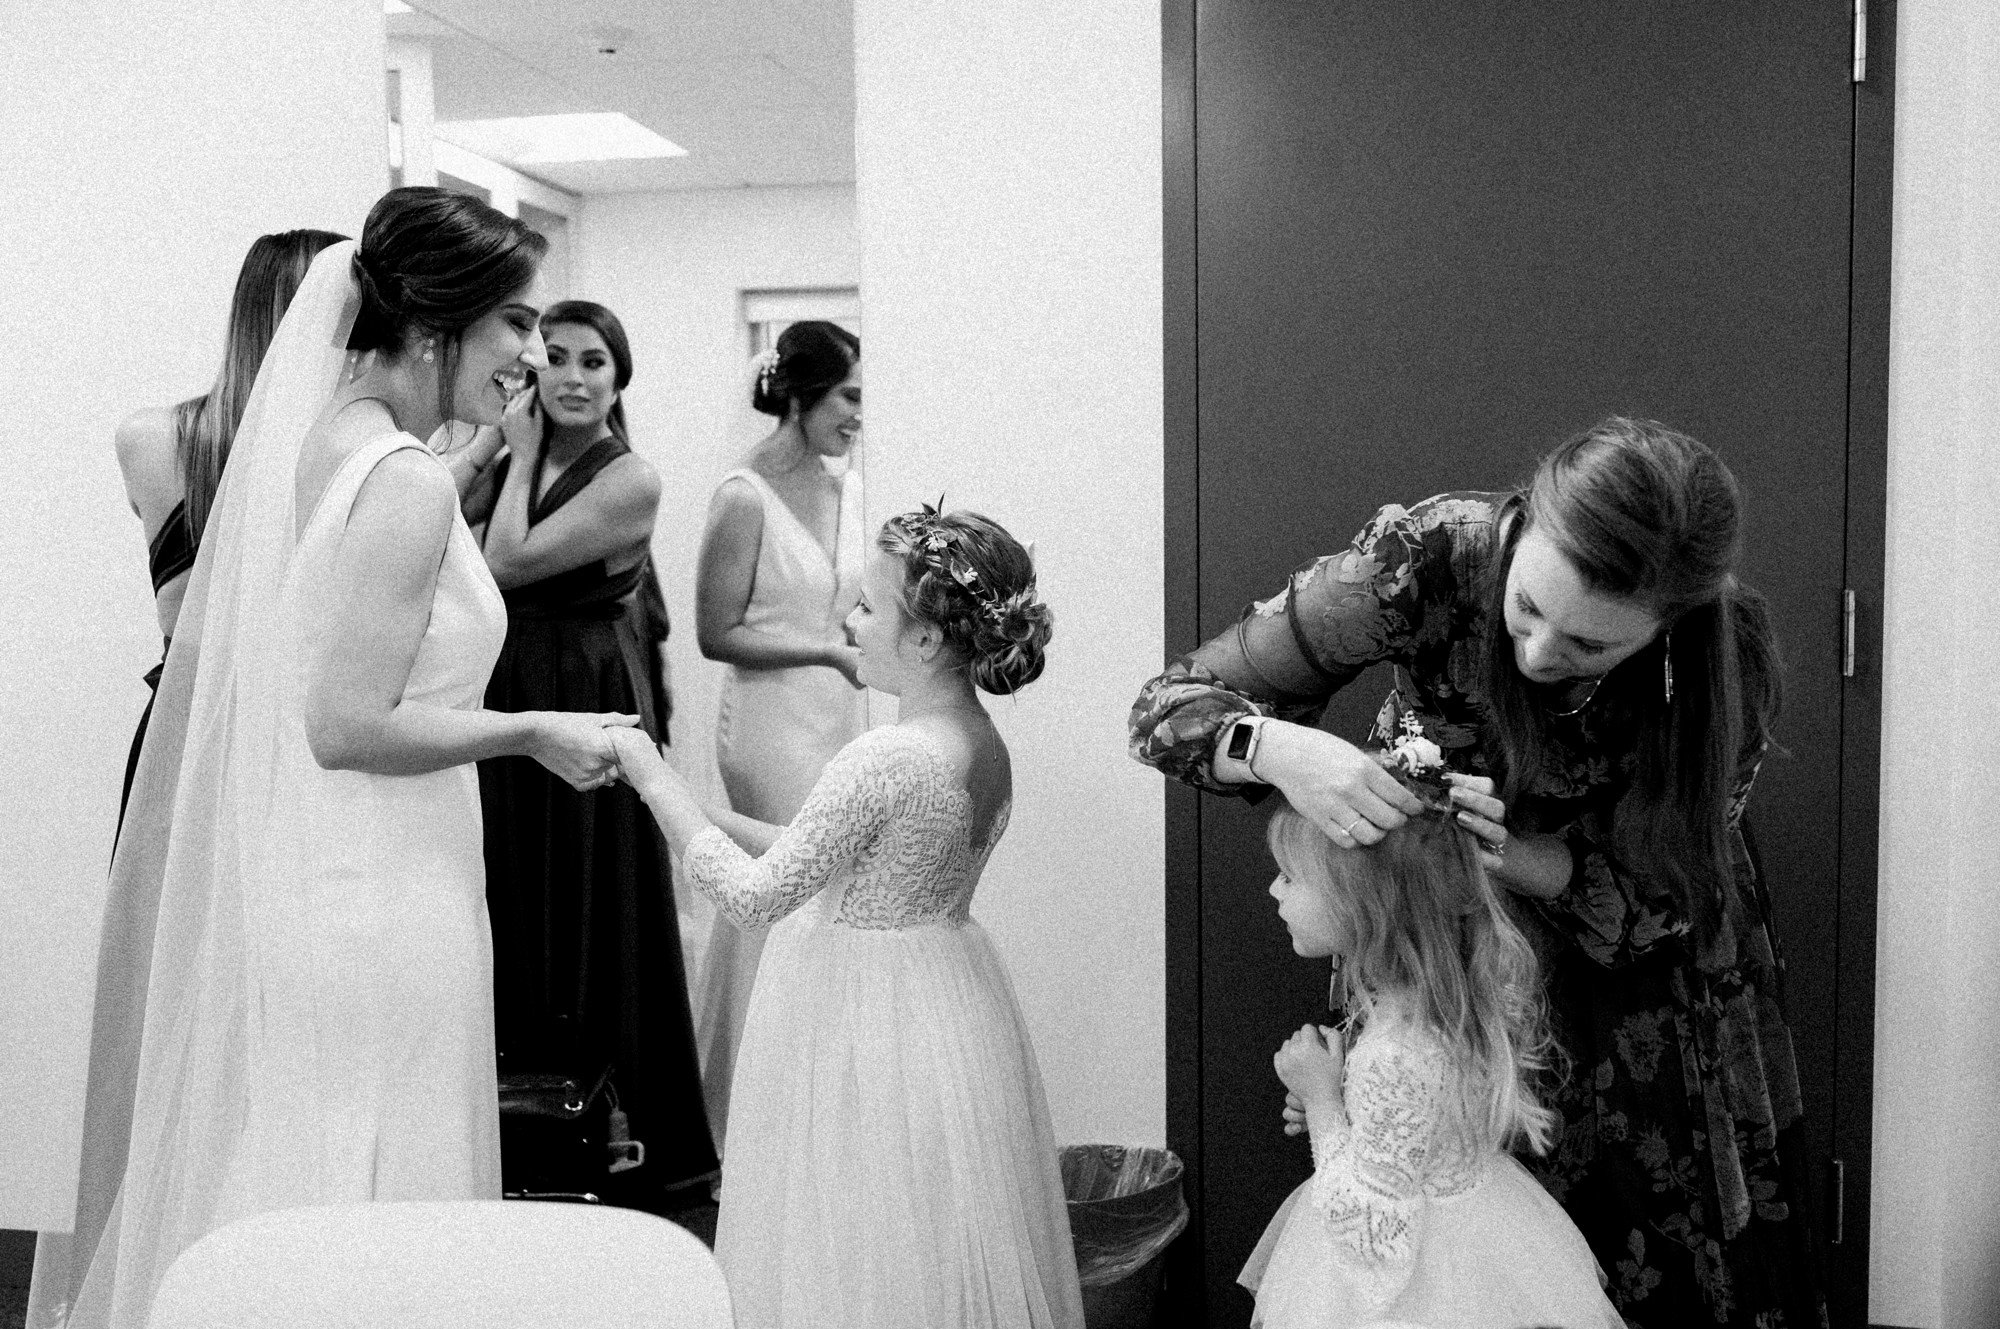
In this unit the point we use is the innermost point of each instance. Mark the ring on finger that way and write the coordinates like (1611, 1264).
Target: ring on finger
(1348, 829)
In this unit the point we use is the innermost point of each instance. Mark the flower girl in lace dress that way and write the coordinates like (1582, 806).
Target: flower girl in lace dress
(1414, 1214)
(890, 1156)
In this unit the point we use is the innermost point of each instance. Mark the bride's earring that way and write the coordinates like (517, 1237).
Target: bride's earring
(430, 349)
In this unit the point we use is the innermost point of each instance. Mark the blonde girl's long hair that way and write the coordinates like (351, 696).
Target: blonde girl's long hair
(205, 426)
(1421, 919)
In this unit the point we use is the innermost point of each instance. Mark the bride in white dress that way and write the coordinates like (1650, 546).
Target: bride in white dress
(780, 567)
(295, 986)
(890, 1157)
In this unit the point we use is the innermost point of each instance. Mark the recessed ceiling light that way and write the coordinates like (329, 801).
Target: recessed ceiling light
(394, 7)
(532, 139)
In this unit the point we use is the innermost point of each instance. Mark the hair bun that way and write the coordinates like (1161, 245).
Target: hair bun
(381, 313)
(1008, 649)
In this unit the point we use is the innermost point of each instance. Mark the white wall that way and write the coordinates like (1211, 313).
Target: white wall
(141, 161)
(1008, 159)
(673, 266)
(1935, 1254)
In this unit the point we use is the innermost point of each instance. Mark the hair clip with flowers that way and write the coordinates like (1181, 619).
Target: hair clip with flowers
(1418, 761)
(937, 545)
(767, 367)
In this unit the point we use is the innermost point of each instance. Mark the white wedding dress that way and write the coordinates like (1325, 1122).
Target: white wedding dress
(1399, 1224)
(774, 733)
(294, 989)
(890, 1159)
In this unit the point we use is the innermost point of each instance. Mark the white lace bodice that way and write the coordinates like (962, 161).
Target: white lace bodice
(1375, 1174)
(885, 833)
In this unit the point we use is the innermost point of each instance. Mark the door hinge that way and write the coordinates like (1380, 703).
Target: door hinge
(1860, 41)
(1839, 1202)
(1847, 634)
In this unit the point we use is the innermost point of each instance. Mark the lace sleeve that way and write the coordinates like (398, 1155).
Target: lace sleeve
(1368, 1179)
(842, 816)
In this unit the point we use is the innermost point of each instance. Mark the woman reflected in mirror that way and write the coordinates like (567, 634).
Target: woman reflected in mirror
(780, 568)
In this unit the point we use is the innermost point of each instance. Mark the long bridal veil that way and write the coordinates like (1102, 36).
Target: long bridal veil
(171, 1053)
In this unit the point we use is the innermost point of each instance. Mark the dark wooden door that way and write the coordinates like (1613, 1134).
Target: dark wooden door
(1411, 246)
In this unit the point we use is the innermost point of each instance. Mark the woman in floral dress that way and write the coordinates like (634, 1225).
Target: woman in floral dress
(1605, 689)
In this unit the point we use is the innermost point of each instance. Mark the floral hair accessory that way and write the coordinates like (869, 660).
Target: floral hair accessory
(936, 545)
(1418, 762)
(767, 369)
(1417, 755)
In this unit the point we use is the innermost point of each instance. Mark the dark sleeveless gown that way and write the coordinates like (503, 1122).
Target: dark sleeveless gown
(170, 554)
(586, 946)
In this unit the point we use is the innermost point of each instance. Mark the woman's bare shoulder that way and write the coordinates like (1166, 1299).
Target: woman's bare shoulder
(149, 461)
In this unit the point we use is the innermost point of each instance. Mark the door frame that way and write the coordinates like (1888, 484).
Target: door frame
(1873, 105)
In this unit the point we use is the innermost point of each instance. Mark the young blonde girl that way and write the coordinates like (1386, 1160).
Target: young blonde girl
(1415, 1212)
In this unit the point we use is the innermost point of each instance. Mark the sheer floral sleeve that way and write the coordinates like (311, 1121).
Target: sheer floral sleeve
(1616, 916)
(1368, 1179)
(1393, 591)
(843, 815)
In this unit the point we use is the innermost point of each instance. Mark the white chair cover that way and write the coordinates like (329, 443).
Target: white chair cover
(476, 1264)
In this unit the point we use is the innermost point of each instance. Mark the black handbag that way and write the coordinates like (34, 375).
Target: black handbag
(561, 1135)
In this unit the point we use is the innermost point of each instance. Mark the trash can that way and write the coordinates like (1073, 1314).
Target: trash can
(1125, 1207)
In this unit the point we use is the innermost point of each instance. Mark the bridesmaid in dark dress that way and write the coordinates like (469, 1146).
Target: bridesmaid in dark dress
(587, 960)
(172, 457)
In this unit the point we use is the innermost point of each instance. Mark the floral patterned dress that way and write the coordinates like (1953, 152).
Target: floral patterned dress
(1681, 1157)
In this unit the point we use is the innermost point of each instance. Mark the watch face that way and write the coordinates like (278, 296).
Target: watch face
(1239, 741)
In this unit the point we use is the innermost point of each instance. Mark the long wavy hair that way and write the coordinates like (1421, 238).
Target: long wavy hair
(590, 314)
(205, 426)
(1422, 921)
(1648, 514)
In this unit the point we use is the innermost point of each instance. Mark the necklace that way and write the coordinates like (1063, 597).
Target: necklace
(1564, 715)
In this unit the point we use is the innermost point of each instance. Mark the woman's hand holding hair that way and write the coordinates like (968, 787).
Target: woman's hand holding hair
(1343, 790)
(1536, 865)
(576, 746)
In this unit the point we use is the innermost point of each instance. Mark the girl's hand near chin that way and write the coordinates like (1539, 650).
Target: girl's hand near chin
(1310, 1066)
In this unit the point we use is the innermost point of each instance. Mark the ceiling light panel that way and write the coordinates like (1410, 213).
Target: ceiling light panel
(540, 139)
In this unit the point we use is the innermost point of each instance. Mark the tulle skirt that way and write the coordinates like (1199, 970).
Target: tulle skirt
(890, 1159)
(1501, 1255)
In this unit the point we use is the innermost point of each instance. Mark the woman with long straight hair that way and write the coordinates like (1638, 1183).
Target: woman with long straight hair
(1605, 689)
(295, 985)
(172, 457)
(587, 956)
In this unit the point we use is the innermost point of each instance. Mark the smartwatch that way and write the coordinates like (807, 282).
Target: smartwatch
(1241, 739)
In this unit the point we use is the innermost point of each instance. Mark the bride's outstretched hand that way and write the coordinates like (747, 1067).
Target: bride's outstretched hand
(574, 745)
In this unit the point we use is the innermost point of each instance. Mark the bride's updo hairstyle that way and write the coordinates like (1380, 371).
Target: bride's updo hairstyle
(964, 574)
(812, 358)
(432, 263)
